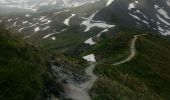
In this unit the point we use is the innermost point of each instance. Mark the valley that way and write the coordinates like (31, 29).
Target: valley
(84, 50)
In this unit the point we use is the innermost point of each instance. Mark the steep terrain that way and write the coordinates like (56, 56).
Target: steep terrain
(22, 68)
(13, 6)
(86, 23)
(31, 73)
(110, 34)
(146, 76)
(149, 15)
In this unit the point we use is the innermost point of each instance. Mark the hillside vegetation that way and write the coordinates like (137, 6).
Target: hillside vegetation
(25, 69)
(22, 67)
(145, 77)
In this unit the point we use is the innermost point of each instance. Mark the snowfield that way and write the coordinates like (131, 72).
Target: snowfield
(66, 21)
(132, 5)
(90, 58)
(90, 41)
(36, 29)
(90, 23)
(109, 2)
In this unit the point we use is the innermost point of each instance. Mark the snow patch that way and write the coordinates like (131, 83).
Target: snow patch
(90, 41)
(161, 11)
(10, 20)
(168, 3)
(47, 27)
(35, 19)
(138, 11)
(15, 24)
(63, 30)
(105, 30)
(60, 12)
(162, 20)
(25, 22)
(53, 38)
(27, 15)
(89, 25)
(36, 29)
(109, 2)
(90, 58)
(47, 21)
(42, 17)
(136, 17)
(20, 29)
(48, 35)
(66, 21)
(163, 31)
(132, 5)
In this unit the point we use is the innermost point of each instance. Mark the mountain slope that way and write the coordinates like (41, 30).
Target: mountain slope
(149, 15)
(35, 5)
(28, 72)
(144, 77)
(24, 73)
(101, 31)
(101, 17)
(48, 28)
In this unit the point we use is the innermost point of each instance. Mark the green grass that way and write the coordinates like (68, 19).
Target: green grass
(24, 68)
(111, 49)
(64, 41)
(146, 77)
(21, 69)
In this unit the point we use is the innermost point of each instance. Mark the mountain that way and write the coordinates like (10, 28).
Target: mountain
(95, 50)
(22, 69)
(26, 69)
(34, 5)
(148, 15)
(45, 26)
(151, 16)
(31, 5)
(145, 77)
(86, 23)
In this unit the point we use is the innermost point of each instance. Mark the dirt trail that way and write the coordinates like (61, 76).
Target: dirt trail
(132, 50)
(80, 92)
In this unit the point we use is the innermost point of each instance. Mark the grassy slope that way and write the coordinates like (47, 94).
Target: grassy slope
(21, 69)
(146, 77)
(111, 49)
(24, 73)
(64, 41)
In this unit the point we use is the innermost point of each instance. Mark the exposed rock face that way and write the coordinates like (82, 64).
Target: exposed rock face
(151, 15)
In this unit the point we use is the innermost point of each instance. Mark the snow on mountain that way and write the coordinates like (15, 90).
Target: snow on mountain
(90, 58)
(34, 5)
(148, 15)
(66, 21)
(99, 18)
(90, 23)
(90, 41)
(36, 29)
(73, 3)
(26, 4)
(109, 2)
(132, 5)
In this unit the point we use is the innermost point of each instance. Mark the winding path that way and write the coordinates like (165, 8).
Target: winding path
(132, 50)
(80, 92)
